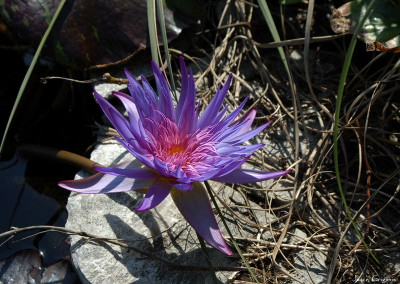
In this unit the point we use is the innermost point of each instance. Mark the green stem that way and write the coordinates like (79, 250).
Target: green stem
(151, 22)
(161, 19)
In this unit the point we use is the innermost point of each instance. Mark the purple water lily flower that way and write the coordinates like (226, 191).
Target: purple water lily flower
(178, 149)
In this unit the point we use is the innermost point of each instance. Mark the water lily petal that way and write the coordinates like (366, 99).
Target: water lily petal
(219, 115)
(196, 208)
(104, 183)
(248, 135)
(116, 118)
(143, 173)
(246, 120)
(183, 186)
(164, 95)
(161, 167)
(141, 157)
(184, 89)
(212, 109)
(156, 193)
(247, 176)
(144, 101)
(187, 119)
(238, 151)
(121, 124)
(238, 127)
(149, 92)
(231, 117)
(128, 103)
(230, 167)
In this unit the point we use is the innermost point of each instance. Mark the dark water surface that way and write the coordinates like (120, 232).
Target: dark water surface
(59, 115)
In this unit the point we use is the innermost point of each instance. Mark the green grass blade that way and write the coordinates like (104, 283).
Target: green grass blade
(29, 72)
(151, 22)
(229, 231)
(275, 35)
(342, 82)
(274, 32)
(161, 20)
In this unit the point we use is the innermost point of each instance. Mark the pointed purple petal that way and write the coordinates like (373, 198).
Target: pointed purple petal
(247, 176)
(238, 127)
(246, 136)
(132, 80)
(128, 103)
(223, 170)
(137, 93)
(121, 124)
(140, 173)
(196, 208)
(187, 118)
(141, 157)
(156, 193)
(161, 167)
(224, 123)
(104, 183)
(149, 92)
(212, 109)
(184, 89)
(246, 120)
(232, 167)
(164, 95)
(219, 115)
(238, 151)
(116, 118)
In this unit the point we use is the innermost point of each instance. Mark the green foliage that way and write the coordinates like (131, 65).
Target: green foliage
(152, 26)
(161, 19)
(383, 24)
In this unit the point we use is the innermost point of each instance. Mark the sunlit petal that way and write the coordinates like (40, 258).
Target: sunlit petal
(196, 208)
(156, 193)
(104, 183)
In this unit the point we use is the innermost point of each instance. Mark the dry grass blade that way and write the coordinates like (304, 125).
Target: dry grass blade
(314, 208)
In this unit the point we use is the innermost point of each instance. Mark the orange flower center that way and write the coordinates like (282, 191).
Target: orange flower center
(176, 149)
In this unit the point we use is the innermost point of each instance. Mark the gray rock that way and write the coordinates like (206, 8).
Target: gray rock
(242, 219)
(161, 231)
(310, 265)
(391, 265)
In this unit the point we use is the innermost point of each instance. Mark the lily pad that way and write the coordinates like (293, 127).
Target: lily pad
(88, 32)
(381, 30)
